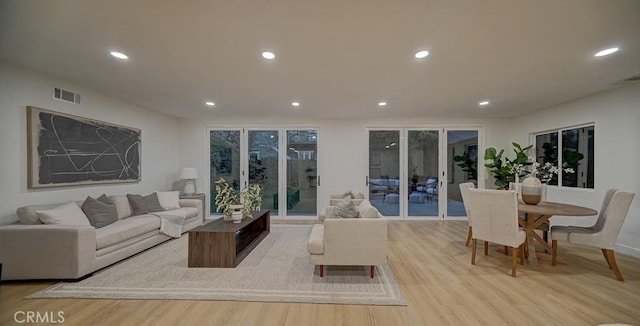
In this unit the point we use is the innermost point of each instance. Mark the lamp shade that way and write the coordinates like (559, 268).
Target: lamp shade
(189, 173)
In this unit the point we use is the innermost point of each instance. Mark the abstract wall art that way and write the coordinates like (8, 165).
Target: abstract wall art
(65, 150)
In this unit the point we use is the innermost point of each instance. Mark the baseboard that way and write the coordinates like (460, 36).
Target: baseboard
(635, 252)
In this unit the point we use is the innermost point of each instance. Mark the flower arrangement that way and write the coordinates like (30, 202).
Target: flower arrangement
(251, 198)
(545, 172)
(225, 197)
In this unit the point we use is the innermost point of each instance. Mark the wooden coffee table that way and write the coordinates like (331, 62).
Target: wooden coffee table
(225, 244)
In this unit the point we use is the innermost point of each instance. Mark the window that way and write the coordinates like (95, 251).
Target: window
(574, 148)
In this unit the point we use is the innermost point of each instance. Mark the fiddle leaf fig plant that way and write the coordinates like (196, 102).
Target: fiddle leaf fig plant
(504, 170)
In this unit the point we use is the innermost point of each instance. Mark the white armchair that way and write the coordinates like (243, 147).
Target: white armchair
(348, 241)
(603, 233)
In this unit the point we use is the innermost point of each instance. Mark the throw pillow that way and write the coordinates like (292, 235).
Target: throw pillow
(98, 212)
(122, 206)
(144, 204)
(358, 195)
(348, 193)
(366, 210)
(169, 199)
(68, 213)
(346, 209)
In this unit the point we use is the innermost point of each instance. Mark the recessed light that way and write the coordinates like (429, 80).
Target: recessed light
(295, 103)
(209, 103)
(483, 103)
(268, 55)
(119, 55)
(421, 54)
(606, 52)
(382, 103)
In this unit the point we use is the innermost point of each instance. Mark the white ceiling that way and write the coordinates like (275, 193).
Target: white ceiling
(339, 58)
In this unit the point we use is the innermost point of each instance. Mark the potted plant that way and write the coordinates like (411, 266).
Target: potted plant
(251, 199)
(226, 198)
(505, 170)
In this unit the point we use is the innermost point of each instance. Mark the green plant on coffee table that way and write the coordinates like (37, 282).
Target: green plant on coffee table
(225, 197)
(251, 199)
(504, 170)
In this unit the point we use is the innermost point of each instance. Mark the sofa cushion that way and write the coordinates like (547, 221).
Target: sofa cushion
(315, 245)
(145, 204)
(125, 229)
(169, 199)
(366, 210)
(69, 214)
(122, 206)
(100, 212)
(346, 209)
(28, 214)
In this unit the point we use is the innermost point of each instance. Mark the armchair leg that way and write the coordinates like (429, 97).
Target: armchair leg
(373, 271)
(506, 250)
(473, 252)
(469, 234)
(554, 252)
(521, 249)
(321, 270)
(614, 266)
(486, 248)
(514, 261)
(604, 253)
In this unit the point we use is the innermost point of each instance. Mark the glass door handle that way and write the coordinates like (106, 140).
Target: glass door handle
(366, 180)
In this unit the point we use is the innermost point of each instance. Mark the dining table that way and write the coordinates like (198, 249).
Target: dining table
(533, 216)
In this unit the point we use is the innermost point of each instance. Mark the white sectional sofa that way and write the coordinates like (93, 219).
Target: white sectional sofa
(59, 251)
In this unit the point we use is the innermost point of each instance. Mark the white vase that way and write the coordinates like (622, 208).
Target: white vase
(531, 190)
(236, 217)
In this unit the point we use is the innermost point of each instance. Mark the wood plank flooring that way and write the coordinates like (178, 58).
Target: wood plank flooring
(433, 268)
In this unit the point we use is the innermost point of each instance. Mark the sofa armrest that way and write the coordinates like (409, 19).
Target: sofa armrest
(197, 203)
(355, 241)
(47, 251)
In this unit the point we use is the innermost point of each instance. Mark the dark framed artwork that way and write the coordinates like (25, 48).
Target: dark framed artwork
(66, 150)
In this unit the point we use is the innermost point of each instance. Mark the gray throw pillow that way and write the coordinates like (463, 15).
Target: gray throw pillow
(99, 212)
(346, 209)
(145, 204)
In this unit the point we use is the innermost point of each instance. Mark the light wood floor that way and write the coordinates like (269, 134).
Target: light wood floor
(433, 268)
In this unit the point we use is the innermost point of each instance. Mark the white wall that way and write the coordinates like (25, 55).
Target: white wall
(343, 146)
(20, 88)
(616, 115)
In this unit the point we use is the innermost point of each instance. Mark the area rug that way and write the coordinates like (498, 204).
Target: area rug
(277, 270)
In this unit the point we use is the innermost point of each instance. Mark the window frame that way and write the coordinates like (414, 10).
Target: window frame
(559, 131)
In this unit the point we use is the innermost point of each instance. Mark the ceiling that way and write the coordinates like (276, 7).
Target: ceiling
(338, 58)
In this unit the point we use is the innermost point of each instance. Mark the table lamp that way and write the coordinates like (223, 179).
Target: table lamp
(189, 175)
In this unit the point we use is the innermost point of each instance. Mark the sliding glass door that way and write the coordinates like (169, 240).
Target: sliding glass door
(289, 179)
(302, 173)
(263, 165)
(224, 151)
(423, 182)
(462, 165)
(416, 173)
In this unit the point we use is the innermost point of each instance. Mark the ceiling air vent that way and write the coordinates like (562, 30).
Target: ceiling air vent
(628, 81)
(67, 96)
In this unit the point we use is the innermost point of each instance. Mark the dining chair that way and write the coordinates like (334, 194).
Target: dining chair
(494, 216)
(464, 191)
(603, 233)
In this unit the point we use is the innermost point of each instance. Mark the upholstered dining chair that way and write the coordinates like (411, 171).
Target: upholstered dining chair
(603, 233)
(464, 191)
(494, 216)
